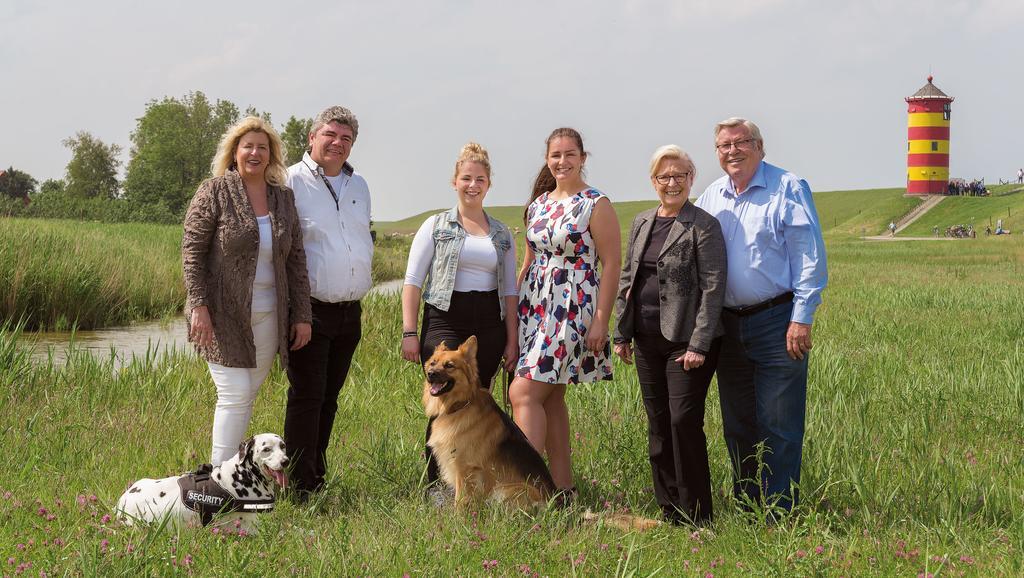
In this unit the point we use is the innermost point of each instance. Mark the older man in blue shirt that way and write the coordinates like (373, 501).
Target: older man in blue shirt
(777, 271)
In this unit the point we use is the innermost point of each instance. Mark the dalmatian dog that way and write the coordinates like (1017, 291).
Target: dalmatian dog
(235, 491)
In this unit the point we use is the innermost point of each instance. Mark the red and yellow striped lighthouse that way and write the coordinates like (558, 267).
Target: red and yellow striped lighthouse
(928, 141)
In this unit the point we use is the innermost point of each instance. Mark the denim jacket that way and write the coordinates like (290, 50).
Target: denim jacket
(449, 237)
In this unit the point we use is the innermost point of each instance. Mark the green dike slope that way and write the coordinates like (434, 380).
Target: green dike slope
(843, 212)
(1005, 203)
(510, 215)
(863, 212)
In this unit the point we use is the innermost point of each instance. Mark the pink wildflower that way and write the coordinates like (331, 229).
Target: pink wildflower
(801, 554)
(819, 549)
(104, 545)
(105, 518)
(967, 559)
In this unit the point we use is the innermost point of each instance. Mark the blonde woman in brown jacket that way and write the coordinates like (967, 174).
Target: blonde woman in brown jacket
(247, 290)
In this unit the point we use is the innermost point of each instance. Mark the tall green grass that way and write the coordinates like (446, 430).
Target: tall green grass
(55, 274)
(58, 274)
(913, 459)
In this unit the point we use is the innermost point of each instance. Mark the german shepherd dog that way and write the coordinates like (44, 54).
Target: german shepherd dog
(480, 451)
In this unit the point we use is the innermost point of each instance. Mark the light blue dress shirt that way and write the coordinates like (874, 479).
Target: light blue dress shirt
(772, 239)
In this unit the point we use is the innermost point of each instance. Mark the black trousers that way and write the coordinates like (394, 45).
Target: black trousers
(470, 313)
(677, 446)
(316, 373)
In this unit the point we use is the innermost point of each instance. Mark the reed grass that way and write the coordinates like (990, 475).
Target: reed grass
(913, 460)
(55, 274)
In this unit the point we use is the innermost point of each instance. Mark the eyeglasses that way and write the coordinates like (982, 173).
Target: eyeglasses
(666, 179)
(744, 144)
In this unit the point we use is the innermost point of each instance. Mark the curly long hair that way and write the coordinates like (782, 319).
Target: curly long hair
(224, 159)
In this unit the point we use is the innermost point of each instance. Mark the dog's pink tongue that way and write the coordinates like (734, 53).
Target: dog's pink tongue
(280, 477)
(435, 387)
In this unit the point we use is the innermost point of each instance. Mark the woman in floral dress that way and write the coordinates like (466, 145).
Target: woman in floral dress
(564, 307)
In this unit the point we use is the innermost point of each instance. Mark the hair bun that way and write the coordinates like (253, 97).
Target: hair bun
(472, 149)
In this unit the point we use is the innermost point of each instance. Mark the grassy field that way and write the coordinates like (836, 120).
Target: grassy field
(913, 459)
(57, 274)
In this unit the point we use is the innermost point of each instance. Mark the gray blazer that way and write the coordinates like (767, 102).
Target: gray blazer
(691, 278)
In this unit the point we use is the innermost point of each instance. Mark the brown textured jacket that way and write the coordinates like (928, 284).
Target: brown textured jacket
(219, 252)
(691, 278)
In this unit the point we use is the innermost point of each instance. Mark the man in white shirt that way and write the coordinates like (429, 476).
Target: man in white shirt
(333, 202)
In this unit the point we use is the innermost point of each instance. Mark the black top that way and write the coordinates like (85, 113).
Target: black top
(646, 298)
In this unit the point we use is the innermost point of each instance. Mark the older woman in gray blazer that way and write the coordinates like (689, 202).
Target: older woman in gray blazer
(668, 306)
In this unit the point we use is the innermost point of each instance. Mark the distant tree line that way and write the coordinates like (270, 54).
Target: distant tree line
(171, 149)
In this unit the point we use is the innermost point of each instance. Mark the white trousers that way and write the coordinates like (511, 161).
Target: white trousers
(237, 388)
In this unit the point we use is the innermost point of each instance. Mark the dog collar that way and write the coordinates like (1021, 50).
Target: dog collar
(458, 407)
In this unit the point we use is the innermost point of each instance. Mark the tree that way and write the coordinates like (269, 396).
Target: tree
(51, 186)
(16, 184)
(296, 138)
(92, 171)
(172, 146)
(251, 111)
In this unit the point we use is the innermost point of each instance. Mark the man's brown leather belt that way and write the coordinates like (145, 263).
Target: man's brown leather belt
(759, 307)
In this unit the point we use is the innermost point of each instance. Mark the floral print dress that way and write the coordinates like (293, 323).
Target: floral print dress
(558, 298)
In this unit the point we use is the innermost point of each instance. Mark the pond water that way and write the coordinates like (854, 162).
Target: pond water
(138, 340)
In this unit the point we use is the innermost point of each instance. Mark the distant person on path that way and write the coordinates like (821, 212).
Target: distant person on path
(892, 229)
(565, 304)
(669, 305)
(247, 294)
(463, 264)
(333, 201)
(777, 272)
(1020, 176)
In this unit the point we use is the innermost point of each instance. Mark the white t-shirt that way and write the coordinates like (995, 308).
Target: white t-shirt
(264, 293)
(478, 262)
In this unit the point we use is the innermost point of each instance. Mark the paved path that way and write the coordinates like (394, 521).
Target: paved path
(888, 238)
(919, 210)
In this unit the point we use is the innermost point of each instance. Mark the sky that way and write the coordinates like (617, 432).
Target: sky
(824, 79)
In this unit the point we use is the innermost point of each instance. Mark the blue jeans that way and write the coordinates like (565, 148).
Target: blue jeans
(763, 394)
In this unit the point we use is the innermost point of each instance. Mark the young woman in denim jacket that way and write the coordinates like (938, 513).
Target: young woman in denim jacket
(463, 265)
